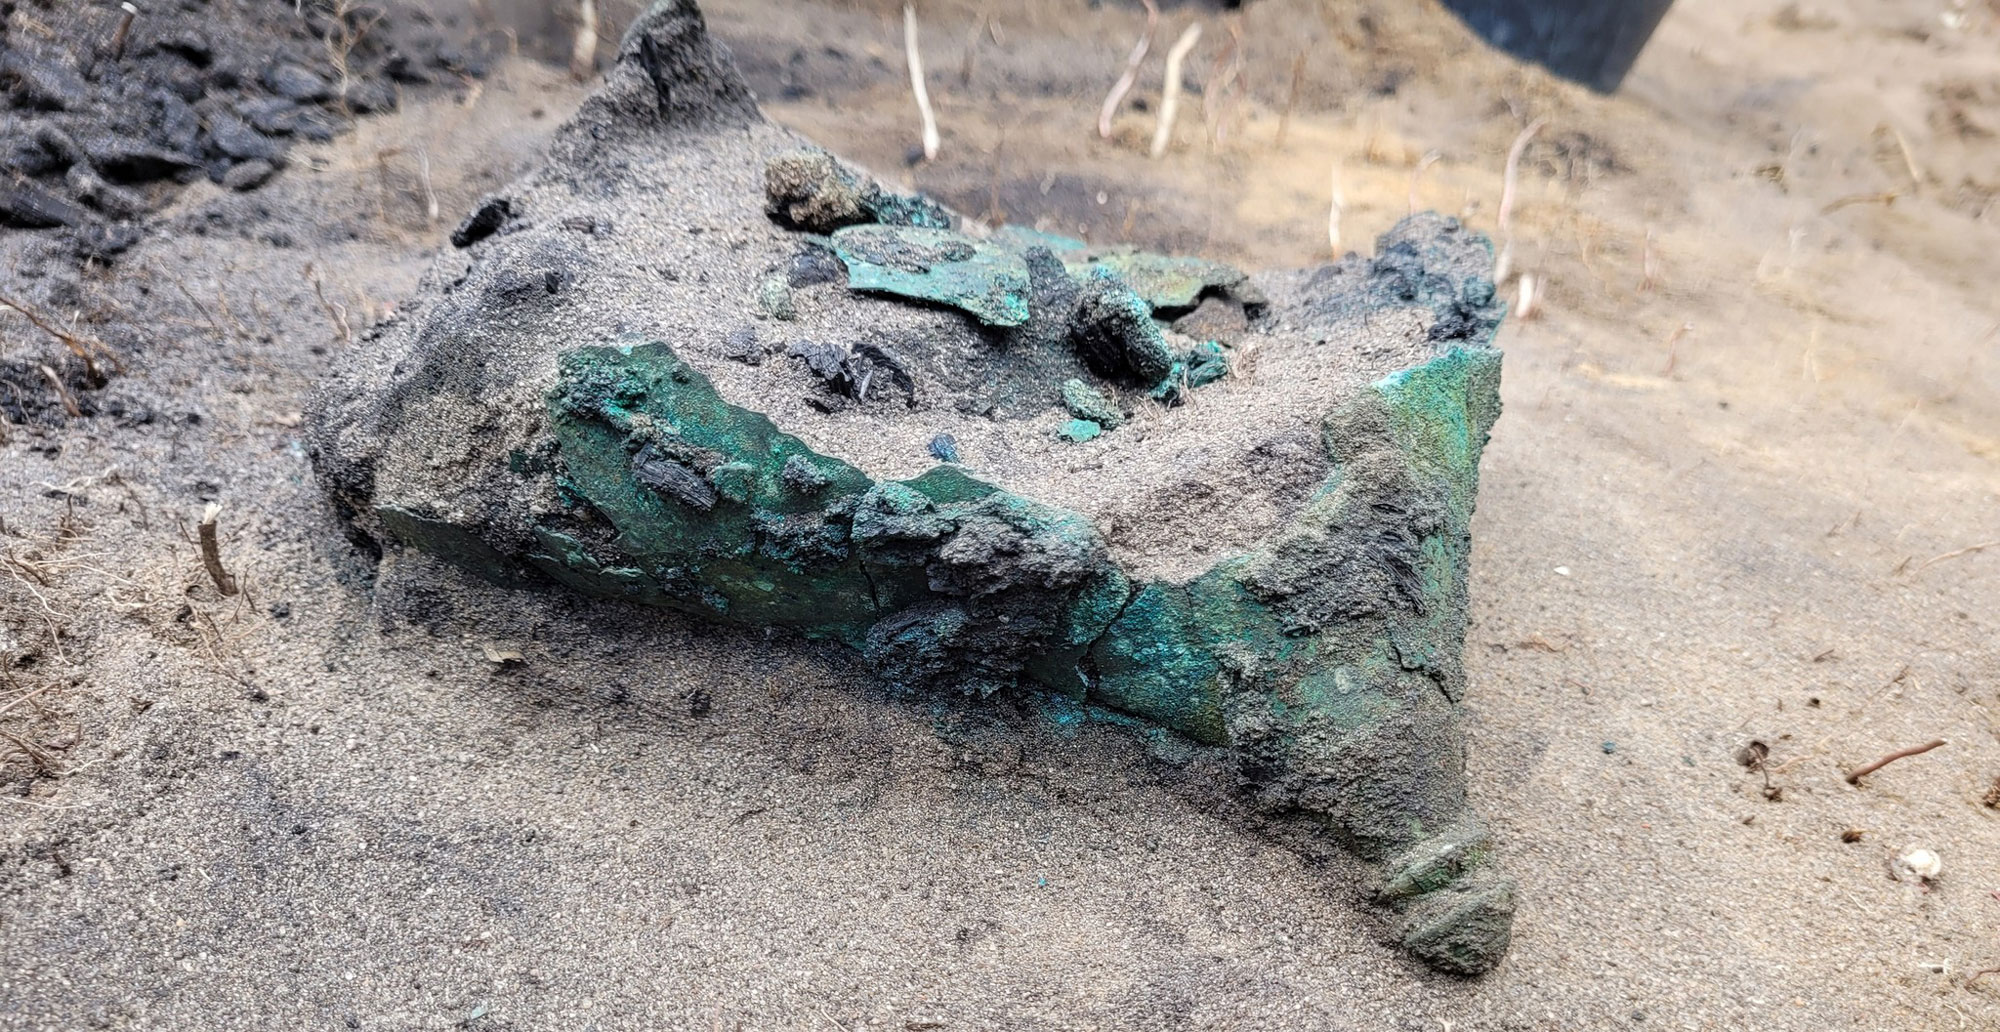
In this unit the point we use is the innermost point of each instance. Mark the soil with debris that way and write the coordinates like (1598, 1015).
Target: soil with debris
(108, 108)
(1745, 489)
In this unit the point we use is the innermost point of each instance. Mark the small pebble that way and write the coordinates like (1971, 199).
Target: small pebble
(1080, 430)
(774, 298)
(1086, 402)
(1919, 863)
(1610, 747)
(944, 448)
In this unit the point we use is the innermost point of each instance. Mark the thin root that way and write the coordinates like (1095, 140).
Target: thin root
(211, 552)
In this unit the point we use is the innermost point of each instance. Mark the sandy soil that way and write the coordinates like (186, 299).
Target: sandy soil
(318, 804)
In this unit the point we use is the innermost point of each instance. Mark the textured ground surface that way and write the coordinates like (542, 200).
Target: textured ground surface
(321, 806)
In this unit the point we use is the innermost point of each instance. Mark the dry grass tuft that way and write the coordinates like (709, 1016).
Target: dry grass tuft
(80, 346)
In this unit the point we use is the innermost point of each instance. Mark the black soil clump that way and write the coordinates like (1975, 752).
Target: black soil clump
(104, 116)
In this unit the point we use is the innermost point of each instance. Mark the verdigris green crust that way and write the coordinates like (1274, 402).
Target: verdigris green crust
(719, 513)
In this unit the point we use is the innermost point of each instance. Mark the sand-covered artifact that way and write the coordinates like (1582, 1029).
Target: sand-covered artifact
(695, 363)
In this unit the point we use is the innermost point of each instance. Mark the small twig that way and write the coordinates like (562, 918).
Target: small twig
(1909, 159)
(77, 345)
(1527, 309)
(124, 30)
(1885, 198)
(211, 552)
(1513, 171)
(19, 699)
(1170, 99)
(182, 286)
(1507, 183)
(222, 302)
(1649, 273)
(335, 312)
(68, 401)
(35, 753)
(583, 52)
(1131, 75)
(1854, 777)
(430, 194)
(1967, 550)
(923, 94)
(1673, 355)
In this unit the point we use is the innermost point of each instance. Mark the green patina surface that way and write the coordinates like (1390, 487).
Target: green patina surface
(1206, 362)
(1118, 295)
(1167, 282)
(1077, 431)
(710, 509)
(707, 507)
(894, 209)
(1440, 415)
(1178, 653)
(1086, 402)
(987, 281)
(1115, 334)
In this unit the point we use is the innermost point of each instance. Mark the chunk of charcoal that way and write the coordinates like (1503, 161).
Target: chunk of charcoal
(827, 361)
(122, 159)
(813, 267)
(742, 346)
(177, 127)
(49, 85)
(485, 220)
(295, 82)
(249, 175)
(233, 137)
(669, 477)
(273, 115)
(27, 205)
(116, 201)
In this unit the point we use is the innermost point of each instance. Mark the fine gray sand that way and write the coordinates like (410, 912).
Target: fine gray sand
(319, 804)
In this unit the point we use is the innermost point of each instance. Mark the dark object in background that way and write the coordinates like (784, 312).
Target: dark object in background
(1593, 42)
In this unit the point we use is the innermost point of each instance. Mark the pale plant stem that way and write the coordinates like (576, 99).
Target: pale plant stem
(923, 94)
(1131, 75)
(1170, 100)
